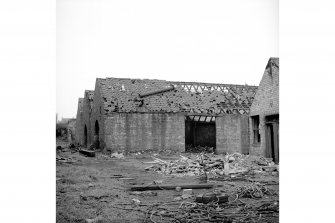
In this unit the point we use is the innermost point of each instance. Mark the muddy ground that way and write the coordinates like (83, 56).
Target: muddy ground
(91, 188)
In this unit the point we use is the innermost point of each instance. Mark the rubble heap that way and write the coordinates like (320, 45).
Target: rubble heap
(196, 165)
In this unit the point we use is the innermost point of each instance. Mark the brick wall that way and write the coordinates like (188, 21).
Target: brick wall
(87, 119)
(232, 134)
(135, 132)
(266, 103)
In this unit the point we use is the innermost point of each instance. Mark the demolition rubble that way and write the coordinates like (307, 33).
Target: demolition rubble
(155, 187)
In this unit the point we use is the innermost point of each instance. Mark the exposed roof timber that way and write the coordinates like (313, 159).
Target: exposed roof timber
(197, 118)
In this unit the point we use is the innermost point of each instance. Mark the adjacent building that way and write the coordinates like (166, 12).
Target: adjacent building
(83, 124)
(264, 114)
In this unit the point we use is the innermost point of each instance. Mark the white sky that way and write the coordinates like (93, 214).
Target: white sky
(225, 41)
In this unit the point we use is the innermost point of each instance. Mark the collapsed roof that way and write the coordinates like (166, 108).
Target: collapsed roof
(144, 95)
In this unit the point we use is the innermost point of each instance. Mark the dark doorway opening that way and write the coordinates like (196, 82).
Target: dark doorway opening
(96, 135)
(272, 137)
(200, 134)
(85, 136)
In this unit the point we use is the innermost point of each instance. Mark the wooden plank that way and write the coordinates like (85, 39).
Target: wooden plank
(171, 187)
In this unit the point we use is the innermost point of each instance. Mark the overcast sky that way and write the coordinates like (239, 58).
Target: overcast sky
(224, 41)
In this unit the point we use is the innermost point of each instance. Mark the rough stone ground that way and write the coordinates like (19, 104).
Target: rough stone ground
(86, 189)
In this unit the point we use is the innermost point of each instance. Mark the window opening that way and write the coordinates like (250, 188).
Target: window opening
(256, 130)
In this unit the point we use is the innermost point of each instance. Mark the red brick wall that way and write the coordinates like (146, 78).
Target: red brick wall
(232, 134)
(266, 103)
(135, 132)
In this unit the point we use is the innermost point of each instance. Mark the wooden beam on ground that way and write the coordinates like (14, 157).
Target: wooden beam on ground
(88, 153)
(171, 187)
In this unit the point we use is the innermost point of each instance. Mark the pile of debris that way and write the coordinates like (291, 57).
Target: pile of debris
(212, 164)
(198, 149)
(181, 167)
(67, 148)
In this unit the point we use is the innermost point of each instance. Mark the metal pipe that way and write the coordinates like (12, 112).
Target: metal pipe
(157, 91)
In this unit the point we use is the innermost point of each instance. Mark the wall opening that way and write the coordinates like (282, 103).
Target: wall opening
(272, 137)
(255, 129)
(96, 135)
(200, 133)
(85, 136)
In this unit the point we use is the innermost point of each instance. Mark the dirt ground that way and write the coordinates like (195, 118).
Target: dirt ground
(92, 188)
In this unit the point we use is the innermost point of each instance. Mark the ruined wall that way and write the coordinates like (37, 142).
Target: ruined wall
(79, 122)
(232, 134)
(266, 102)
(147, 131)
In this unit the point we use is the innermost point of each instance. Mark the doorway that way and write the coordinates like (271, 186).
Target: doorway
(96, 135)
(85, 136)
(272, 137)
(200, 133)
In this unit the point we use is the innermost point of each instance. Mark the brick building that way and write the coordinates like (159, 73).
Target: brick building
(133, 115)
(264, 114)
